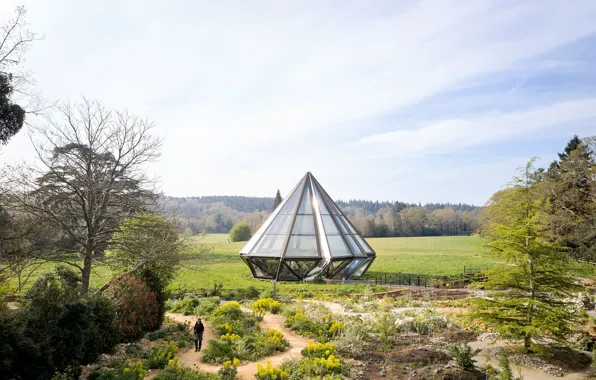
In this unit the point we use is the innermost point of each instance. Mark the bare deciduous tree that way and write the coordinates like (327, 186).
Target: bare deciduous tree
(90, 175)
(15, 41)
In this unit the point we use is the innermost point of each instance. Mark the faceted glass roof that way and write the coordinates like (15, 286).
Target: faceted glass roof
(306, 237)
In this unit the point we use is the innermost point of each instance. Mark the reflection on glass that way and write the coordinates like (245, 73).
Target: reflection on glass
(302, 246)
(304, 225)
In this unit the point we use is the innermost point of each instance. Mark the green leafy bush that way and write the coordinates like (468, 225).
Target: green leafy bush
(240, 294)
(323, 328)
(192, 305)
(130, 371)
(218, 351)
(240, 232)
(55, 329)
(299, 322)
(161, 354)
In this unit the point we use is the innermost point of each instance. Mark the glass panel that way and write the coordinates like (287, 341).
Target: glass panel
(286, 275)
(355, 249)
(304, 225)
(258, 272)
(302, 246)
(251, 243)
(291, 203)
(347, 222)
(336, 267)
(352, 267)
(344, 230)
(330, 228)
(300, 267)
(321, 202)
(280, 225)
(360, 271)
(305, 204)
(267, 267)
(338, 247)
(270, 245)
(364, 244)
(316, 271)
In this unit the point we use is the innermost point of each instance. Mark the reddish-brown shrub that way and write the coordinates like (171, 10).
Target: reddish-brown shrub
(137, 306)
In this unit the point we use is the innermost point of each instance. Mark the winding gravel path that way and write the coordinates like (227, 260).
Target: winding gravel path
(190, 358)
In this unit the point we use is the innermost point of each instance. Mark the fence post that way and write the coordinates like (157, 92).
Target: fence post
(464, 269)
(385, 279)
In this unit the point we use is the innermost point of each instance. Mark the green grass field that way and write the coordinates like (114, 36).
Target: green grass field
(434, 256)
(430, 256)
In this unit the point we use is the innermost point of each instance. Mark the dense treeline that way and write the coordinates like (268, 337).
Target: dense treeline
(218, 214)
(372, 207)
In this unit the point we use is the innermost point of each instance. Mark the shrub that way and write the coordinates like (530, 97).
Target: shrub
(153, 276)
(353, 340)
(137, 307)
(55, 329)
(173, 371)
(218, 351)
(239, 294)
(464, 355)
(270, 372)
(161, 354)
(228, 371)
(319, 350)
(208, 305)
(302, 324)
(186, 305)
(240, 232)
(329, 367)
(266, 304)
(130, 371)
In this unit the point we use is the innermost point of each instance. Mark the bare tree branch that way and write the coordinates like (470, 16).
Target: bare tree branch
(90, 175)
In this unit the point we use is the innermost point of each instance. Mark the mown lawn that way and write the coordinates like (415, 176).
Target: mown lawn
(431, 256)
(434, 256)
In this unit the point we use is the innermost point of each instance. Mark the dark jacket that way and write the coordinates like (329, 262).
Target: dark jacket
(198, 330)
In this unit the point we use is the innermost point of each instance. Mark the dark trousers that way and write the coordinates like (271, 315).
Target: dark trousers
(198, 341)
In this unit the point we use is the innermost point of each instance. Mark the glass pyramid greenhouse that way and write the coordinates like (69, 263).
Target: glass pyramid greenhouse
(307, 237)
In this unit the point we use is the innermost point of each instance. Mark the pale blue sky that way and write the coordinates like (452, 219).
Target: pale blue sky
(391, 100)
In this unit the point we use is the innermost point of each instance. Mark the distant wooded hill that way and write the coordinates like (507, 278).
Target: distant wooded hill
(218, 214)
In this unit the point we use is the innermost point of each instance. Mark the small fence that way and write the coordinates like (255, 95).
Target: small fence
(470, 273)
(407, 280)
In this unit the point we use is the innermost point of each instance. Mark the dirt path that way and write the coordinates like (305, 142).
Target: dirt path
(190, 358)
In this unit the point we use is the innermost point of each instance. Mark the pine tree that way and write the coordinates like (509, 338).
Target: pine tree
(277, 200)
(572, 197)
(529, 290)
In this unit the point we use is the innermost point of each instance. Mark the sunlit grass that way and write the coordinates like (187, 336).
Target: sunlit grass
(212, 259)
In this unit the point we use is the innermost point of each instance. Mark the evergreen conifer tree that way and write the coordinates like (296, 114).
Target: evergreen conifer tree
(277, 200)
(527, 298)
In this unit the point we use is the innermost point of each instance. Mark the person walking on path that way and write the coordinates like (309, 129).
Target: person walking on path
(198, 332)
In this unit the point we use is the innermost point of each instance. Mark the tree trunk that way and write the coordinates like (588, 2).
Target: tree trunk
(86, 270)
